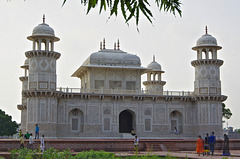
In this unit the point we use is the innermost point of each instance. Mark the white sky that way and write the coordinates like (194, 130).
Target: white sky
(170, 40)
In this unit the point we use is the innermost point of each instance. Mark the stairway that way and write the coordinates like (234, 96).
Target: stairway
(156, 147)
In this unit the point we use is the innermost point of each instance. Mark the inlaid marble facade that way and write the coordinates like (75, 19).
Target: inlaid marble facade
(110, 101)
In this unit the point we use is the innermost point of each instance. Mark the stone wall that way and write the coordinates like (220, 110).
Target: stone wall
(116, 144)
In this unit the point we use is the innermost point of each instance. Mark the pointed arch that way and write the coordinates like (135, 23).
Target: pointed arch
(127, 121)
(76, 120)
(176, 120)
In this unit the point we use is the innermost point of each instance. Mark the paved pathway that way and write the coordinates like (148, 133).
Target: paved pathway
(183, 154)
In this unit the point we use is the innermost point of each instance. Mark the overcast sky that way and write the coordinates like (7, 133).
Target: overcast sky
(170, 39)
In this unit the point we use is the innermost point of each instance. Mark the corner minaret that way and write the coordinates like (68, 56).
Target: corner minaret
(23, 106)
(41, 91)
(207, 66)
(42, 58)
(207, 85)
(154, 83)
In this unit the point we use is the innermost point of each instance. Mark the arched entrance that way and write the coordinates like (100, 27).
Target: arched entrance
(126, 121)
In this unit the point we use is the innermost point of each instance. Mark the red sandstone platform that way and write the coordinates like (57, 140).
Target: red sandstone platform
(179, 154)
(124, 147)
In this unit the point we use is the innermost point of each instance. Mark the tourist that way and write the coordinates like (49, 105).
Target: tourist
(27, 135)
(212, 140)
(176, 131)
(20, 133)
(31, 141)
(136, 143)
(206, 145)
(36, 132)
(200, 146)
(42, 144)
(21, 142)
(226, 151)
(133, 132)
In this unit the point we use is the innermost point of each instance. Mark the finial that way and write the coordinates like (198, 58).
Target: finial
(118, 45)
(206, 29)
(153, 58)
(114, 46)
(104, 43)
(43, 18)
(100, 45)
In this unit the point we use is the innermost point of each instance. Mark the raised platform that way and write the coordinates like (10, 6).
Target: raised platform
(114, 145)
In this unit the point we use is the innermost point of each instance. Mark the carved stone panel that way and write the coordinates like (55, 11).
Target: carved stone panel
(93, 115)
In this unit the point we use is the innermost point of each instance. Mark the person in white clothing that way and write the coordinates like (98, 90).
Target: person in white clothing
(31, 142)
(176, 131)
(136, 142)
(42, 144)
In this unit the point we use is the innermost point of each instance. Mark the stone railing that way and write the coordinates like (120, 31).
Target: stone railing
(120, 91)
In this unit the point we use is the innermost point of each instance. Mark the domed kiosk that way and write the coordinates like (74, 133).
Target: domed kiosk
(154, 83)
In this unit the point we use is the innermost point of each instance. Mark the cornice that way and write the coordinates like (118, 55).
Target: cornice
(23, 78)
(207, 62)
(41, 93)
(211, 98)
(21, 107)
(154, 82)
(39, 53)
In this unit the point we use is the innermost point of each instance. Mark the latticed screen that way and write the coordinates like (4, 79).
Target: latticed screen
(99, 84)
(115, 84)
(130, 85)
(74, 124)
(106, 124)
(147, 124)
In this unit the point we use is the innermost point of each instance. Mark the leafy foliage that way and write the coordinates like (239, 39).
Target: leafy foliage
(95, 154)
(56, 154)
(226, 112)
(237, 130)
(132, 8)
(7, 126)
(23, 154)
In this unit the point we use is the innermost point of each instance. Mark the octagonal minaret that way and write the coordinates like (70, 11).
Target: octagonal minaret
(23, 106)
(41, 93)
(154, 83)
(207, 86)
(207, 66)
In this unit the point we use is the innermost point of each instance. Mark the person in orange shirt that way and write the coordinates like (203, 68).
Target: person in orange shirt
(200, 145)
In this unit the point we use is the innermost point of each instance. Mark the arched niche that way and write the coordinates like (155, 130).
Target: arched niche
(76, 120)
(176, 121)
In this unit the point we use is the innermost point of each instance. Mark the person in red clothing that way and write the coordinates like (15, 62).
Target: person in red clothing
(200, 145)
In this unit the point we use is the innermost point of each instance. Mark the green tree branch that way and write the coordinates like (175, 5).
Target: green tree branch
(132, 8)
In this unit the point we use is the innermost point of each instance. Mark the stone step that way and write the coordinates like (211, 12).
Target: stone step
(127, 136)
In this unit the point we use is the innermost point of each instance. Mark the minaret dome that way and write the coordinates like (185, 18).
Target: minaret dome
(154, 65)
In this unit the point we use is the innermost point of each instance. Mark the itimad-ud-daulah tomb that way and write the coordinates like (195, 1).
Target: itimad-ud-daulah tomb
(110, 101)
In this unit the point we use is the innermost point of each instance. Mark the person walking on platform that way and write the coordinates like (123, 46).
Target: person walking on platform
(21, 142)
(226, 151)
(37, 132)
(200, 146)
(31, 142)
(212, 140)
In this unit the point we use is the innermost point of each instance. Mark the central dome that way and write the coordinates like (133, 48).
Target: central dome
(111, 57)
